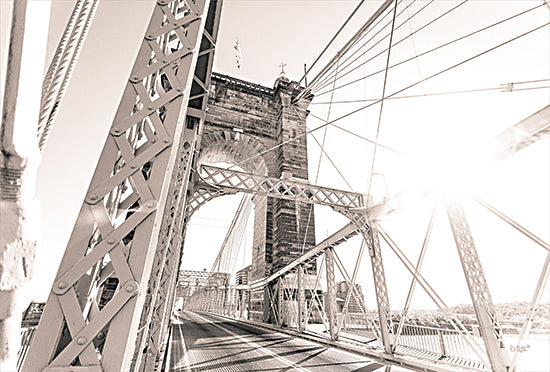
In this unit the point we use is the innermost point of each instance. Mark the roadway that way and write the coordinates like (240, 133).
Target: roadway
(204, 342)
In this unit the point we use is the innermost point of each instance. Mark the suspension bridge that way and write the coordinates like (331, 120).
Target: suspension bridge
(389, 203)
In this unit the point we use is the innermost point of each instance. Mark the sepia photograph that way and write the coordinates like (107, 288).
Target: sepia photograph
(275, 185)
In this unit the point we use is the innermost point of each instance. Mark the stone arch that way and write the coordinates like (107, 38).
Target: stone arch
(232, 147)
(227, 146)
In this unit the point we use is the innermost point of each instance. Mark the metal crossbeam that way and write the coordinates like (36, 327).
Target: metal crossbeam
(120, 223)
(289, 189)
(526, 132)
(335, 239)
(202, 195)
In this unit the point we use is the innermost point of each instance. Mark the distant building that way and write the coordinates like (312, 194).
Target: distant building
(243, 275)
(355, 301)
(31, 316)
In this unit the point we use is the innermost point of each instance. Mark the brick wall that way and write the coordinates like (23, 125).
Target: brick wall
(244, 120)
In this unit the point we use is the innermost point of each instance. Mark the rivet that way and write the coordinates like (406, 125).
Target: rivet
(81, 340)
(153, 140)
(150, 36)
(92, 197)
(133, 166)
(166, 140)
(116, 131)
(150, 108)
(100, 335)
(136, 78)
(129, 288)
(110, 241)
(62, 285)
(164, 60)
(150, 204)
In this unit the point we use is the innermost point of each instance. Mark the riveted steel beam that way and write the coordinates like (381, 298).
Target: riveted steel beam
(289, 189)
(168, 256)
(154, 104)
(330, 305)
(489, 327)
(301, 298)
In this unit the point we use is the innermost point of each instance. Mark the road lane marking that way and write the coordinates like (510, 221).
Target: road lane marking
(256, 346)
(185, 359)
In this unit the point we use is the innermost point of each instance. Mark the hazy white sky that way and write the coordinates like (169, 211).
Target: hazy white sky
(294, 32)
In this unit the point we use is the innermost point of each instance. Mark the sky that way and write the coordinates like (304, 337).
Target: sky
(439, 132)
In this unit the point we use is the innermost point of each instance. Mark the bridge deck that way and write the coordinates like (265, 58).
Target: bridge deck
(209, 343)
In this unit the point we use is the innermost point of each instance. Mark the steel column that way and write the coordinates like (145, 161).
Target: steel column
(477, 285)
(158, 112)
(302, 311)
(330, 306)
(382, 301)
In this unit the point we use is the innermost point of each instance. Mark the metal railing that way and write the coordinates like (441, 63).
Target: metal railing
(26, 337)
(445, 345)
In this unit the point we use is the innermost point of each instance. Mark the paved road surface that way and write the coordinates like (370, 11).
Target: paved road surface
(208, 343)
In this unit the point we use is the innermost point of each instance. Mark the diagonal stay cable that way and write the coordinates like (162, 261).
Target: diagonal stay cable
(322, 80)
(322, 84)
(414, 279)
(331, 162)
(357, 135)
(322, 145)
(430, 50)
(346, 47)
(447, 69)
(333, 38)
(381, 104)
(476, 90)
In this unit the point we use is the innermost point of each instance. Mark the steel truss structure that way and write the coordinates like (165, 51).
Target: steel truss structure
(129, 226)
(132, 223)
(352, 205)
(216, 182)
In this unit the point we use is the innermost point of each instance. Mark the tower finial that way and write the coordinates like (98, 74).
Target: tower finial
(282, 66)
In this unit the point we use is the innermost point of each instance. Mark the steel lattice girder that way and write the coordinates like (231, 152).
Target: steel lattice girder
(489, 327)
(202, 278)
(350, 204)
(219, 181)
(133, 175)
(167, 261)
(279, 188)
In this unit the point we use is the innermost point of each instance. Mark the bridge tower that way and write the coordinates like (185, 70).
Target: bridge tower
(243, 122)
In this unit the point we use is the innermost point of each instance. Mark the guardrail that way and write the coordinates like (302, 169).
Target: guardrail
(445, 345)
(26, 337)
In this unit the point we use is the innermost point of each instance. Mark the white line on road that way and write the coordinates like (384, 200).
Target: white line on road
(185, 359)
(256, 346)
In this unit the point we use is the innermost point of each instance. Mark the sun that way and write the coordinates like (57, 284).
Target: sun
(450, 164)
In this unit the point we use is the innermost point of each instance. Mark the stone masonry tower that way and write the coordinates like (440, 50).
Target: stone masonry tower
(262, 131)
